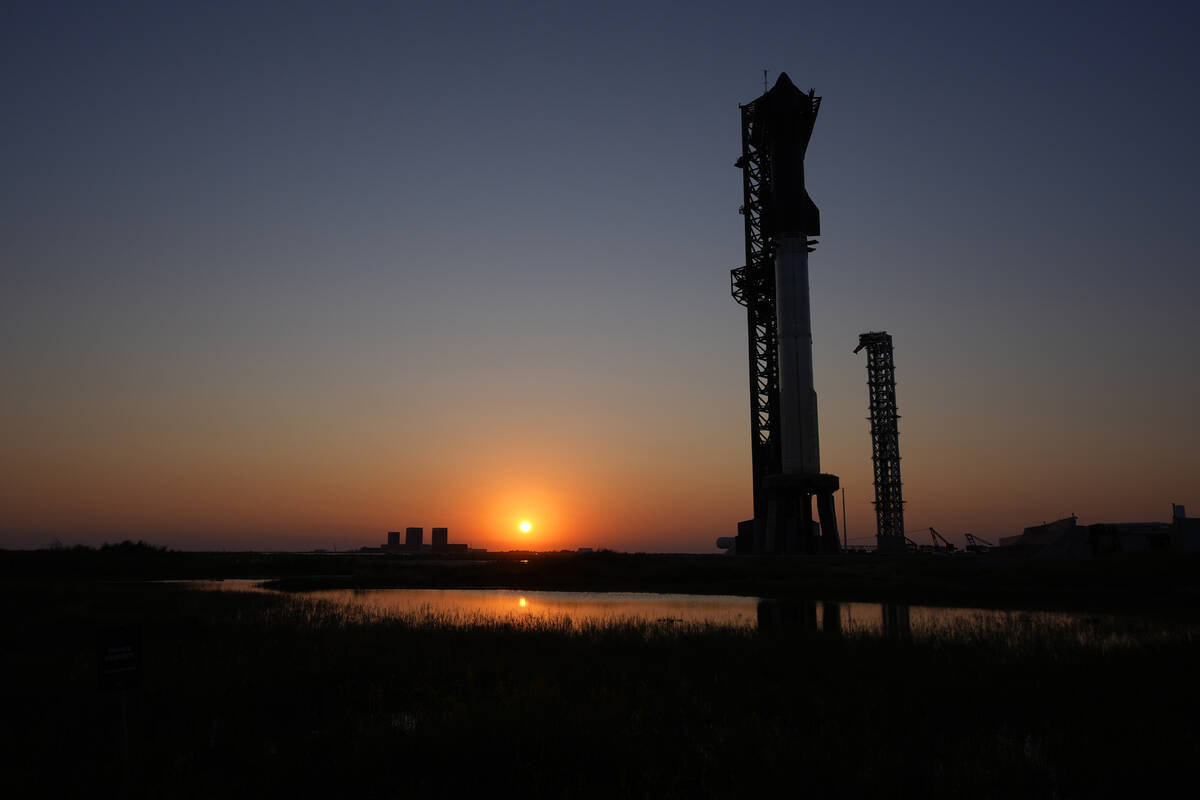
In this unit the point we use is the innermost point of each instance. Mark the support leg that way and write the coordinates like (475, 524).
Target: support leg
(807, 545)
(771, 529)
(829, 528)
(790, 542)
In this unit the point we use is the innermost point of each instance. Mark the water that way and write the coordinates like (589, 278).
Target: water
(537, 608)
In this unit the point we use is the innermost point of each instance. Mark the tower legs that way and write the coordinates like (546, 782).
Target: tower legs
(787, 526)
(829, 526)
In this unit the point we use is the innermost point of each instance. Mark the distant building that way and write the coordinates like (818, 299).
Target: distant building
(413, 537)
(414, 542)
(1061, 537)
(1185, 533)
(1129, 537)
(1065, 537)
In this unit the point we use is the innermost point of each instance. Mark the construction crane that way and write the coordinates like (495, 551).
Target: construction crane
(977, 545)
(945, 546)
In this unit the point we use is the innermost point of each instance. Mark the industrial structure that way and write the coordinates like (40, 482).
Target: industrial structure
(885, 441)
(414, 542)
(938, 543)
(1065, 537)
(976, 544)
(780, 223)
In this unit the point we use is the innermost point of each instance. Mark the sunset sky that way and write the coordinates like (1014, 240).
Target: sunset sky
(289, 275)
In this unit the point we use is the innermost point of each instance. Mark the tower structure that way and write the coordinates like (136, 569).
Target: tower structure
(885, 440)
(781, 223)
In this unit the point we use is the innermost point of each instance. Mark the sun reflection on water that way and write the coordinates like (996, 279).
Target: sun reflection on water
(587, 610)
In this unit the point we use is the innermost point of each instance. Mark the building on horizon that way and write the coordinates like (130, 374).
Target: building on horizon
(413, 538)
(414, 542)
(1065, 537)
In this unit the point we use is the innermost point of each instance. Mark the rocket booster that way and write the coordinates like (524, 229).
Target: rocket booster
(799, 446)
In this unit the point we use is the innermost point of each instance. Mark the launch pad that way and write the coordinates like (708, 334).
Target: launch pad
(781, 222)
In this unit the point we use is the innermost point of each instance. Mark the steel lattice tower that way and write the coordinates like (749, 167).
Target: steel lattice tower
(885, 440)
(754, 287)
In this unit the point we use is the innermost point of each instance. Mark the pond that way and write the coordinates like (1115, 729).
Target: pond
(552, 608)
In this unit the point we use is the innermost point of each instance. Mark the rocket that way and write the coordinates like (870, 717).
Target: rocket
(784, 124)
(781, 222)
(800, 449)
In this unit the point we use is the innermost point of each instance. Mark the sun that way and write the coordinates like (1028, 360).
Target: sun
(526, 527)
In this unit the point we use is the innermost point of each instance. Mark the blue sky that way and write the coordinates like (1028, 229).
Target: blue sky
(310, 262)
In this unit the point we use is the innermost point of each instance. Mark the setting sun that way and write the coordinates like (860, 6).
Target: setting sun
(526, 527)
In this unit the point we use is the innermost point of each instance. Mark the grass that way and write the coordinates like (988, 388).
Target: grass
(252, 694)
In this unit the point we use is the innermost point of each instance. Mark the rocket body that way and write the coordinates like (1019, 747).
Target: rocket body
(799, 447)
(780, 222)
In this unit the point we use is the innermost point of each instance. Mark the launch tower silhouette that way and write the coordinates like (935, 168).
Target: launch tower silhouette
(885, 442)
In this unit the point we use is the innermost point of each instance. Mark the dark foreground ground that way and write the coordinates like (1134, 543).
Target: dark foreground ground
(269, 695)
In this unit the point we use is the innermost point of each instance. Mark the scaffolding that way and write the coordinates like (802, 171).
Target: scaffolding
(753, 286)
(885, 440)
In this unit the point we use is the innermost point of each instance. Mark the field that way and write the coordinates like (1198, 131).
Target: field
(252, 694)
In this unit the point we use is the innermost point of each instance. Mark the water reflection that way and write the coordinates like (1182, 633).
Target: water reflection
(784, 616)
(892, 620)
(533, 608)
(831, 618)
(895, 621)
(486, 606)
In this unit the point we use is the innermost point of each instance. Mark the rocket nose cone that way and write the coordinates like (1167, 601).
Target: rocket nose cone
(784, 82)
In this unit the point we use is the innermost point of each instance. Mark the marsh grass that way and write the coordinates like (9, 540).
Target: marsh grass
(268, 694)
(1012, 633)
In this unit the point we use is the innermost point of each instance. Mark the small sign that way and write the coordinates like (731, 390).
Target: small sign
(119, 657)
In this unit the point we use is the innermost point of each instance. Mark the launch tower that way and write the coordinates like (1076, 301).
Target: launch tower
(781, 223)
(885, 441)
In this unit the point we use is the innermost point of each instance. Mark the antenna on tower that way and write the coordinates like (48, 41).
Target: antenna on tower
(764, 80)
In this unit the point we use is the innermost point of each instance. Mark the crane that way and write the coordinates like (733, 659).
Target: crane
(946, 545)
(977, 545)
(940, 543)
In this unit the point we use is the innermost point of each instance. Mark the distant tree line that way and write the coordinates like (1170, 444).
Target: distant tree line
(124, 546)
